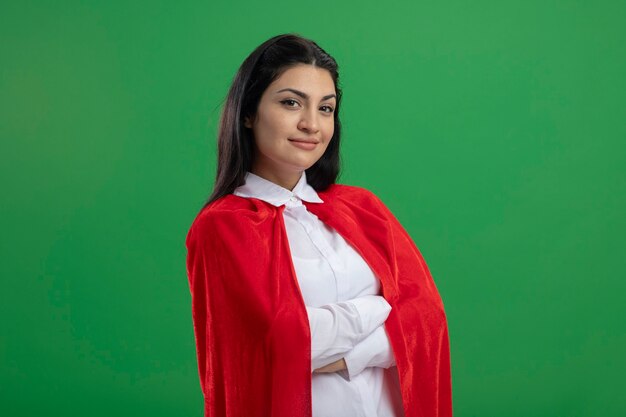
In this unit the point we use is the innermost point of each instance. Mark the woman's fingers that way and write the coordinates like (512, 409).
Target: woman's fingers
(332, 367)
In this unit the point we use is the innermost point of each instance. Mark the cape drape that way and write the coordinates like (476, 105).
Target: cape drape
(252, 334)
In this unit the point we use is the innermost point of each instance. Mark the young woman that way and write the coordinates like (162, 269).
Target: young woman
(308, 296)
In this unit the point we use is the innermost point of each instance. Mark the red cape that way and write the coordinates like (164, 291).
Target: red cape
(253, 340)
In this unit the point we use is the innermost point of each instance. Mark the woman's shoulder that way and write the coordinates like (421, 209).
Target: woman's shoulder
(359, 197)
(230, 209)
(353, 193)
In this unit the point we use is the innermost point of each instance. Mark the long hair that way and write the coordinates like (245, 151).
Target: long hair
(235, 143)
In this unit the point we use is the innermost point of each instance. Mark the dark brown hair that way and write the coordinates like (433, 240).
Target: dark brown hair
(235, 143)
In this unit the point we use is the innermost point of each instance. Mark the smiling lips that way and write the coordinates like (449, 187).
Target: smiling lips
(304, 140)
(307, 144)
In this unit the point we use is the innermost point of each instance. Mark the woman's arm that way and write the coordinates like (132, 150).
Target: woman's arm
(375, 350)
(337, 328)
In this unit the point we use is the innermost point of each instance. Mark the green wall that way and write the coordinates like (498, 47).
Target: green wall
(493, 130)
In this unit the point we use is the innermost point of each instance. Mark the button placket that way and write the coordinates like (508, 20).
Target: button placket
(293, 202)
(323, 246)
(366, 396)
(306, 219)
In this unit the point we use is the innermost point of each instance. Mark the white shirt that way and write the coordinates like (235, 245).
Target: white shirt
(346, 313)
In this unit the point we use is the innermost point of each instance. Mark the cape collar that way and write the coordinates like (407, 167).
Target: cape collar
(258, 187)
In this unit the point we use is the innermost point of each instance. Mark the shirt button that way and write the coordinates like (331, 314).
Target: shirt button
(294, 198)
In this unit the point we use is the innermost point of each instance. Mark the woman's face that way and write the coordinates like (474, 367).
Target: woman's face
(299, 105)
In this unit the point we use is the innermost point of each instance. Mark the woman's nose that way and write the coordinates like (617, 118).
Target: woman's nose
(309, 120)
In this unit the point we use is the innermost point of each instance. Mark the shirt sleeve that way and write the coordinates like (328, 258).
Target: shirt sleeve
(337, 328)
(375, 350)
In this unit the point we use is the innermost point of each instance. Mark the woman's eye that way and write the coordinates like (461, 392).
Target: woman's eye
(289, 101)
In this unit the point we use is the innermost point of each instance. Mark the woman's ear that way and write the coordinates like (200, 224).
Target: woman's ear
(247, 123)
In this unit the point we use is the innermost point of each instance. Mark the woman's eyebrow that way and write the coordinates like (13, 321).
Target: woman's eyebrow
(305, 95)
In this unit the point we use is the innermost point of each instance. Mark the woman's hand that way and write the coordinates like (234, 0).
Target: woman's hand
(332, 367)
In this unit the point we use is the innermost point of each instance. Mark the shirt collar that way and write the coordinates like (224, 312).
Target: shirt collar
(258, 187)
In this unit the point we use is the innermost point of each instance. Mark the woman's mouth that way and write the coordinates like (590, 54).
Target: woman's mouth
(309, 146)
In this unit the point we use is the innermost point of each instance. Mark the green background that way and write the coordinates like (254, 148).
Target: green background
(493, 130)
